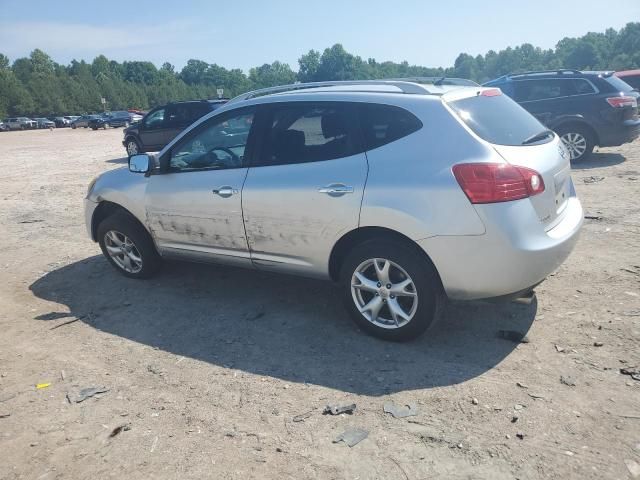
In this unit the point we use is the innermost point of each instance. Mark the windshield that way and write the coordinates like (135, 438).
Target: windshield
(499, 120)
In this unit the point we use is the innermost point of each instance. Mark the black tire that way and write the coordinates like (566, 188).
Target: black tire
(94, 128)
(584, 132)
(73, 126)
(133, 141)
(422, 273)
(125, 224)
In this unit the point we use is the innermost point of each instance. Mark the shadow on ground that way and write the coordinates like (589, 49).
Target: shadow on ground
(285, 327)
(599, 160)
(123, 160)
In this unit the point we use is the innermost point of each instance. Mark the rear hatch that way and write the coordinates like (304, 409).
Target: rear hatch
(522, 141)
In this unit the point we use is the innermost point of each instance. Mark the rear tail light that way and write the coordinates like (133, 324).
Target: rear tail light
(621, 102)
(497, 182)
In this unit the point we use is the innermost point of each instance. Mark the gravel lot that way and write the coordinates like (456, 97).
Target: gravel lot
(208, 367)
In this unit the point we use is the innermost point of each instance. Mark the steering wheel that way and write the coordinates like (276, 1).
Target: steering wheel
(235, 159)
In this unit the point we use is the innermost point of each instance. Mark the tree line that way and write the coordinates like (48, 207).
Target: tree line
(38, 86)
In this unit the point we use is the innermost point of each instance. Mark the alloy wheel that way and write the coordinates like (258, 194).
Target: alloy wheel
(384, 293)
(575, 143)
(132, 148)
(123, 251)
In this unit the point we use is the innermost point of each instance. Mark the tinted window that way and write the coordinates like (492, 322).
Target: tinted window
(217, 144)
(530, 90)
(309, 132)
(382, 124)
(632, 81)
(498, 119)
(619, 85)
(581, 87)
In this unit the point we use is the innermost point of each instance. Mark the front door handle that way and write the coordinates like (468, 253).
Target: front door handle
(336, 189)
(226, 191)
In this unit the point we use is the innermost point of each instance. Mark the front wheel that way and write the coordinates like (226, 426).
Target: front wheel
(128, 246)
(391, 291)
(578, 140)
(132, 147)
(73, 127)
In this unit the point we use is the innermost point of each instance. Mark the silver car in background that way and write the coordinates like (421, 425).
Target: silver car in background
(402, 193)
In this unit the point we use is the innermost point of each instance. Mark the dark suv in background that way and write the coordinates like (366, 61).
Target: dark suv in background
(162, 124)
(584, 108)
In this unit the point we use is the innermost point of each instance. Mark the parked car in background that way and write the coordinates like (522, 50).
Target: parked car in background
(584, 108)
(136, 117)
(401, 193)
(42, 122)
(83, 121)
(162, 124)
(111, 120)
(631, 77)
(4, 127)
(60, 121)
(20, 123)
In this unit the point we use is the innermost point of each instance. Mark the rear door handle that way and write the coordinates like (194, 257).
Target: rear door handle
(336, 189)
(226, 191)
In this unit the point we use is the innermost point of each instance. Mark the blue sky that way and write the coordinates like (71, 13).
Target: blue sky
(243, 34)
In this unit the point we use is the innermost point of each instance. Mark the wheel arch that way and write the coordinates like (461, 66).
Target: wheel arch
(578, 121)
(106, 209)
(365, 234)
(135, 138)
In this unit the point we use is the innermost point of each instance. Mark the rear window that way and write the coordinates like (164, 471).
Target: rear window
(620, 85)
(632, 81)
(498, 119)
(384, 124)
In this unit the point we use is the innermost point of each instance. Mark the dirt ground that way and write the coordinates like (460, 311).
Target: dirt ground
(208, 368)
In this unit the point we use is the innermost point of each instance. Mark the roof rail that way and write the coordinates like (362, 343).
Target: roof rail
(405, 86)
(440, 81)
(560, 71)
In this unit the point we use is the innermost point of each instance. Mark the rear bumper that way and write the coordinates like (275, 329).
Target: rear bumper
(514, 255)
(625, 133)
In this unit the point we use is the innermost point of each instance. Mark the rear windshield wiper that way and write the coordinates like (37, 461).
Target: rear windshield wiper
(537, 137)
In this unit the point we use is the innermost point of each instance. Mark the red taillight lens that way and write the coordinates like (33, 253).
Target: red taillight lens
(621, 102)
(497, 182)
(491, 92)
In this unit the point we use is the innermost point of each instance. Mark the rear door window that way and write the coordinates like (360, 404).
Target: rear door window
(309, 132)
(581, 86)
(498, 119)
(543, 89)
(383, 124)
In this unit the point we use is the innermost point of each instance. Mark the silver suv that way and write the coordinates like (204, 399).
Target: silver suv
(402, 193)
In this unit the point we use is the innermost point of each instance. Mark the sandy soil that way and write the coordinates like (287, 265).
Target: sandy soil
(207, 367)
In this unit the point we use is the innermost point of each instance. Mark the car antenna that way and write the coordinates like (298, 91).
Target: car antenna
(439, 82)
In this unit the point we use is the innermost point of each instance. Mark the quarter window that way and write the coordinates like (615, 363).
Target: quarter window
(217, 144)
(304, 132)
(384, 124)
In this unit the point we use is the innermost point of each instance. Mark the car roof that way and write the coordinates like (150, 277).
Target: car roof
(628, 73)
(551, 74)
(427, 87)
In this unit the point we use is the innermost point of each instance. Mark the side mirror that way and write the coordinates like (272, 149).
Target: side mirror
(140, 163)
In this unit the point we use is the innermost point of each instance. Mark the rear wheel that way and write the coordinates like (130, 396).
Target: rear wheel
(579, 141)
(390, 291)
(128, 246)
